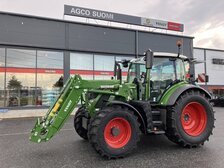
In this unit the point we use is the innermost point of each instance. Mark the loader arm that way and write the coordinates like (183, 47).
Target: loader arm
(58, 114)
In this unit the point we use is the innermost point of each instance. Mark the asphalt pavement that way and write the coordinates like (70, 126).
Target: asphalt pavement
(68, 150)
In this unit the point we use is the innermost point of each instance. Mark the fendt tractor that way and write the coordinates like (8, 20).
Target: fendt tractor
(156, 98)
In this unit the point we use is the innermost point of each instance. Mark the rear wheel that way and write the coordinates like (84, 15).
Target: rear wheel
(194, 119)
(80, 127)
(191, 120)
(114, 132)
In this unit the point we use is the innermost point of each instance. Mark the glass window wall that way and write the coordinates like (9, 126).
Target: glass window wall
(33, 77)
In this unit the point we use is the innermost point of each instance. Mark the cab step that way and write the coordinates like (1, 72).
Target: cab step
(157, 124)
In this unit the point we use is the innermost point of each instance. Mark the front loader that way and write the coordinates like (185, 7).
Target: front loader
(156, 98)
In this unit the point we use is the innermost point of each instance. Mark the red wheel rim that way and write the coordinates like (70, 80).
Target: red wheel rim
(117, 132)
(194, 119)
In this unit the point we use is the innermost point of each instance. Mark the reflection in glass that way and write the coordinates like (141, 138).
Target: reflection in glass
(21, 58)
(49, 76)
(50, 59)
(103, 66)
(2, 76)
(81, 64)
(20, 77)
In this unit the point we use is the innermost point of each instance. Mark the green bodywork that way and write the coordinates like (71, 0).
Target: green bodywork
(78, 90)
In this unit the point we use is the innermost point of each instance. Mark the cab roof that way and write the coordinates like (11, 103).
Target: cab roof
(160, 54)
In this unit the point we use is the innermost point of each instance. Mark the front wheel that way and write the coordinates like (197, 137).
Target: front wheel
(114, 132)
(191, 120)
(80, 127)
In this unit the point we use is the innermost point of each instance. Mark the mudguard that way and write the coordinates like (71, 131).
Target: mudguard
(173, 98)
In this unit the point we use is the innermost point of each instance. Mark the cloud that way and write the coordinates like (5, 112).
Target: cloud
(203, 19)
(209, 36)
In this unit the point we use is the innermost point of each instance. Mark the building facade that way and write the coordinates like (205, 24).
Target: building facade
(37, 54)
(212, 65)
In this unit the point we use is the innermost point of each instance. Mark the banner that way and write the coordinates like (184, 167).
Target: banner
(121, 18)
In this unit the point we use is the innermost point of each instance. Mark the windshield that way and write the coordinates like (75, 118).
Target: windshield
(163, 73)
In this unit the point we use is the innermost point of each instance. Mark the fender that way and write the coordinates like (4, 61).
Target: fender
(173, 98)
(136, 112)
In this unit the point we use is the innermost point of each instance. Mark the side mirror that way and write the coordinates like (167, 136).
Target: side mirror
(149, 59)
(125, 63)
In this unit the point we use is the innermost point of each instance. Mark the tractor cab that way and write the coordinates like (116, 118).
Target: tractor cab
(167, 70)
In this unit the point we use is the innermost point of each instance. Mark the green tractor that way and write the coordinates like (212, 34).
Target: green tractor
(156, 98)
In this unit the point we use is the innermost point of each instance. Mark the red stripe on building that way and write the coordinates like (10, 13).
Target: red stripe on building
(109, 73)
(57, 71)
(31, 70)
(81, 72)
(2, 69)
(21, 70)
(50, 71)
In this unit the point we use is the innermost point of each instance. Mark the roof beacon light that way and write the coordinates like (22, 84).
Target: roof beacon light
(179, 44)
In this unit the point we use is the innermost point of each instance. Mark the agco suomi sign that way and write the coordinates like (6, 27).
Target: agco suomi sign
(115, 17)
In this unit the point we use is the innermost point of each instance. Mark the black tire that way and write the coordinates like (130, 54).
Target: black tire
(81, 131)
(145, 109)
(97, 129)
(175, 129)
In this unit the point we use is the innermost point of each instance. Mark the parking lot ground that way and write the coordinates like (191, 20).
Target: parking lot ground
(68, 150)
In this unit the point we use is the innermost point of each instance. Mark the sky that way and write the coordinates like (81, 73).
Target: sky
(202, 19)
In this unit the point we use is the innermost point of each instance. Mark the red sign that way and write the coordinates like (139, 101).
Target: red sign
(174, 26)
